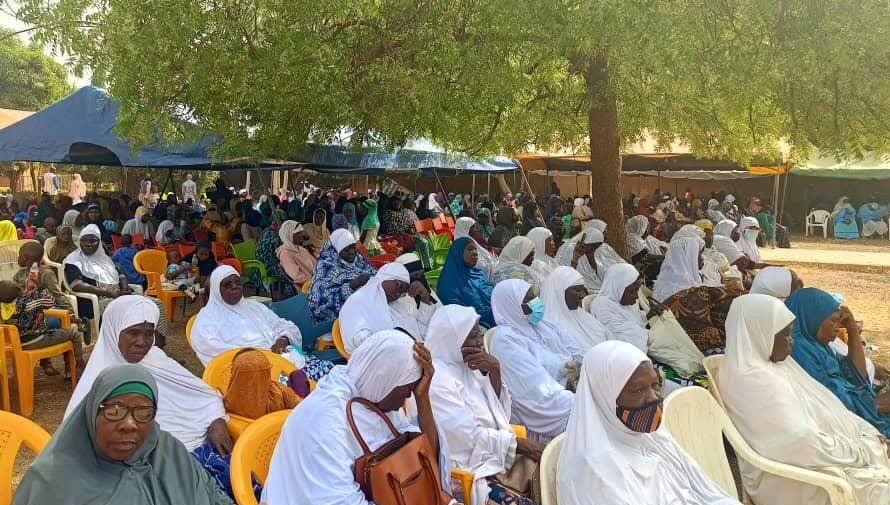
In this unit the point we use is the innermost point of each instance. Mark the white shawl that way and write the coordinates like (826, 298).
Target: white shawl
(366, 311)
(97, 266)
(714, 262)
(486, 261)
(772, 281)
(605, 463)
(749, 247)
(533, 360)
(220, 326)
(186, 404)
(135, 226)
(543, 264)
(789, 417)
(624, 322)
(679, 271)
(510, 262)
(161, 235)
(724, 243)
(313, 459)
(474, 417)
(637, 226)
(581, 325)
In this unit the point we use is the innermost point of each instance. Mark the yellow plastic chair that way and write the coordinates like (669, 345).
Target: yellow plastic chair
(15, 431)
(152, 263)
(253, 453)
(4, 375)
(188, 328)
(25, 360)
(466, 478)
(218, 375)
(338, 339)
(306, 286)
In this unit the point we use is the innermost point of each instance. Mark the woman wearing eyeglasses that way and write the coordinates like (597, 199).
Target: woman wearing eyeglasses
(187, 408)
(110, 449)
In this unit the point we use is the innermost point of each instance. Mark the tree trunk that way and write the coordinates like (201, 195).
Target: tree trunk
(605, 157)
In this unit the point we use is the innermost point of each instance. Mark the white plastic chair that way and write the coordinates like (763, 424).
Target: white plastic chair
(585, 303)
(549, 469)
(486, 339)
(93, 299)
(817, 219)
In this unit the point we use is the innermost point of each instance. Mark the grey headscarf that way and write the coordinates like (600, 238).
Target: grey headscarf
(70, 471)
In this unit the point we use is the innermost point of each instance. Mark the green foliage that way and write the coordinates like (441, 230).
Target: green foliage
(29, 80)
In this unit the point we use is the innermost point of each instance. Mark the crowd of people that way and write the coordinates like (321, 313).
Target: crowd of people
(534, 320)
(870, 220)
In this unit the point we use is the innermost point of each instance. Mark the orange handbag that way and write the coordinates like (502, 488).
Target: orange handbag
(403, 471)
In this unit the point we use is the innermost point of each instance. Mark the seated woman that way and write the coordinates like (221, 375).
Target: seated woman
(111, 449)
(504, 230)
(187, 408)
(164, 235)
(515, 262)
(463, 283)
(639, 241)
(806, 425)
(614, 452)
(252, 394)
(465, 227)
(843, 220)
(339, 272)
(617, 306)
(700, 310)
(562, 294)
(250, 228)
(580, 253)
(296, 261)
(63, 246)
(818, 317)
(485, 223)
(472, 406)
(317, 230)
(713, 262)
(537, 366)
(545, 250)
(778, 282)
(373, 308)
(749, 229)
(726, 236)
(139, 225)
(874, 218)
(315, 454)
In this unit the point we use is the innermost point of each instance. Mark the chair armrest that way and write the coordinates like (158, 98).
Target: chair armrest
(463, 480)
(520, 431)
(63, 315)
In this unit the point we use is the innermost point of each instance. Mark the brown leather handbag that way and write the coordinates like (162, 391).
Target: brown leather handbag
(403, 471)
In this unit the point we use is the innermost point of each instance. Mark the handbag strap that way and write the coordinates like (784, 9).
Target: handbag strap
(373, 408)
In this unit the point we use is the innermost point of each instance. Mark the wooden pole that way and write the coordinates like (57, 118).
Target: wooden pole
(473, 192)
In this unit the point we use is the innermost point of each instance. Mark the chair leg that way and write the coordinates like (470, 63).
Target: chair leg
(4, 384)
(25, 379)
(71, 360)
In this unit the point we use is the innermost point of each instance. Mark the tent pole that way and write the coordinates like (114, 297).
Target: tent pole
(442, 188)
(169, 179)
(262, 181)
(488, 188)
(473, 192)
(784, 194)
(776, 186)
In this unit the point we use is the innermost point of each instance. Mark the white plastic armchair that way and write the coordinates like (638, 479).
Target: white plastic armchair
(549, 469)
(486, 339)
(817, 219)
(91, 298)
(60, 273)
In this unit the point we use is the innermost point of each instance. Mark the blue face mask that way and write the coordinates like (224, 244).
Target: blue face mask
(537, 307)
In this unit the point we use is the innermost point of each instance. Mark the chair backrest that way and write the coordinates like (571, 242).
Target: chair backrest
(188, 328)
(16, 430)
(549, 469)
(232, 262)
(218, 373)
(432, 277)
(338, 339)
(486, 339)
(8, 270)
(219, 249)
(696, 423)
(296, 310)
(245, 250)
(253, 453)
(819, 217)
(151, 263)
(586, 301)
(306, 286)
(138, 240)
(48, 245)
(9, 250)
(116, 241)
(712, 366)
(424, 225)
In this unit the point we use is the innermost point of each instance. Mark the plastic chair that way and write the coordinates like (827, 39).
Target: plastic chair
(699, 425)
(92, 299)
(245, 250)
(423, 226)
(138, 240)
(338, 339)
(817, 219)
(587, 301)
(253, 453)
(4, 377)
(219, 250)
(153, 265)
(549, 469)
(15, 431)
(116, 242)
(188, 328)
(232, 262)
(25, 360)
(432, 277)
(296, 310)
(381, 259)
(306, 287)
(9, 250)
(486, 339)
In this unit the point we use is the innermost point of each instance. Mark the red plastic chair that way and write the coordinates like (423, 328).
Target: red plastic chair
(450, 222)
(116, 242)
(423, 226)
(220, 250)
(138, 240)
(379, 261)
(232, 262)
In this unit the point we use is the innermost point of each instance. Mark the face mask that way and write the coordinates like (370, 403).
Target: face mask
(751, 234)
(537, 314)
(645, 419)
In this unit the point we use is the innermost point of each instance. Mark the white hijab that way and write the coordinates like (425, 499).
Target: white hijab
(313, 459)
(772, 281)
(70, 220)
(487, 261)
(713, 260)
(747, 246)
(474, 417)
(367, 312)
(510, 262)
(220, 326)
(789, 417)
(624, 322)
(287, 230)
(636, 227)
(186, 404)
(161, 235)
(533, 359)
(579, 324)
(340, 239)
(543, 264)
(605, 463)
(679, 271)
(723, 241)
(97, 266)
(135, 226)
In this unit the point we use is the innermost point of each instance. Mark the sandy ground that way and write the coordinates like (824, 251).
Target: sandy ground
(866, 289)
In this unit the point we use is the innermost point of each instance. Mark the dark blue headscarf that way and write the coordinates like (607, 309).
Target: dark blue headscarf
(811, 307)
(463, 285)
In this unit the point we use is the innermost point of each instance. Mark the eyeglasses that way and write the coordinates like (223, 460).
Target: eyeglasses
(116, 412)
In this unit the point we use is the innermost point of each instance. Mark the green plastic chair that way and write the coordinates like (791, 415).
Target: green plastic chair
(245, 250)
(424, 251)
(440, 245)
(432, 277)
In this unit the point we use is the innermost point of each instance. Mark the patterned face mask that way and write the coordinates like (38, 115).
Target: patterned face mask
(645, 419)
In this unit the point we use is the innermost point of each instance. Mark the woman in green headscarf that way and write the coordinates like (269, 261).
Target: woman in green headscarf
(110, 450)
(370, 227)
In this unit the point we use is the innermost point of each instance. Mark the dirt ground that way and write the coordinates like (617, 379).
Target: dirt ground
(866, 290)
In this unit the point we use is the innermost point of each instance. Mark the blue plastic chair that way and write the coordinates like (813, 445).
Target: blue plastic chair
(296, 310)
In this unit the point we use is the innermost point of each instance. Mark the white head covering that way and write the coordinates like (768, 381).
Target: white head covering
(287, 230)
(688, 230)
(578, 324)
(186, 404)
(578, 202)
(723, 242)
(366, 311)
(341, 239)
(462, 227)
(220, 326)
(408, 258)
(603, 462)
(433, 203)
(384, 362)
(636, 227)
(597, 224)
(97, 266)
(593, 236)
(517, 250)
(679, 271)
(713, 204)
(724, 228)
(539, 236)
(789, 417)
(747, 246)
(70, 218)
(161, 235)
(773, 281)
(624, 322)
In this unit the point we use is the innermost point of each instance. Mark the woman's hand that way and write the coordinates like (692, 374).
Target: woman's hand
(219, 438)
(280, 345)
(848, 321)
(417, 289)
(532, 450)
(423, 356)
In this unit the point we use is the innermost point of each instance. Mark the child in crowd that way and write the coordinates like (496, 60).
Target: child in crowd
(204, 259)
(179, 275)
(123, 260)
